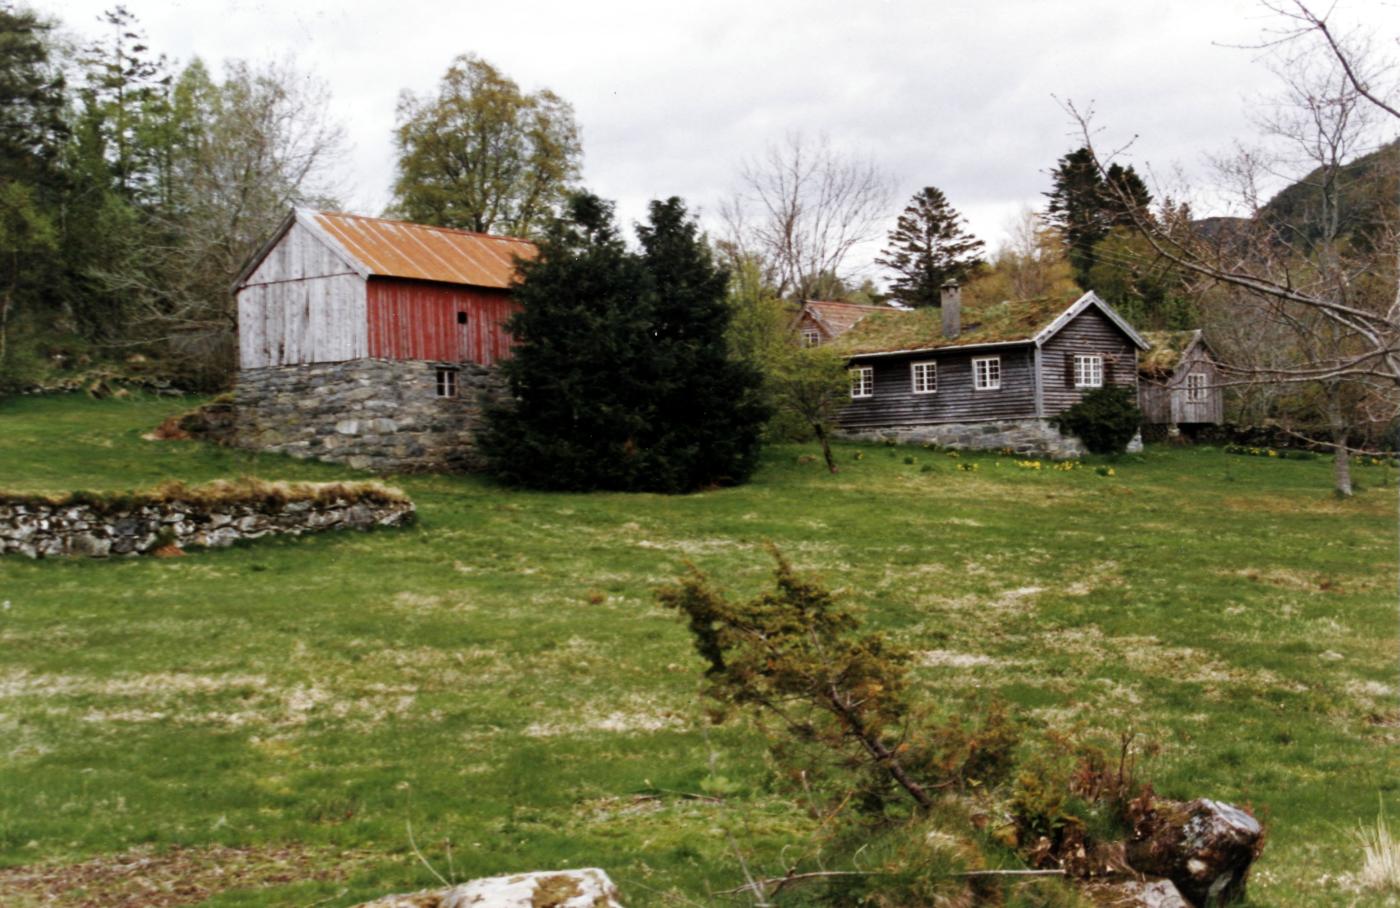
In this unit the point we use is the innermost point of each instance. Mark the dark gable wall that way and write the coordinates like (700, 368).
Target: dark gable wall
(895, 403)
(1091, 332)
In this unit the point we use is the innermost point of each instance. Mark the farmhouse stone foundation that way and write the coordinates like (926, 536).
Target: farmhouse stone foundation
(1024, 436)
(370, 414)
(98, 531)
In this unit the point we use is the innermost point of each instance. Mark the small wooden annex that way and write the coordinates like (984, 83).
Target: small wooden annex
(1180, 382)
(822, 321)
(988, 377)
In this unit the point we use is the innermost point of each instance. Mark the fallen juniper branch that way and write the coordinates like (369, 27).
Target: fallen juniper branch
(762, 887)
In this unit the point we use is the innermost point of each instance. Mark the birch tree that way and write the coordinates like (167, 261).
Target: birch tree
(802, 209)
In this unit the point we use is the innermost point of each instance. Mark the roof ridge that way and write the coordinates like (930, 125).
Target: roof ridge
(370, 217)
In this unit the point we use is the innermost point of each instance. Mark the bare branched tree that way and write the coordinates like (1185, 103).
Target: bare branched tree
(802, 209)
(1321, 277)
(244, 150)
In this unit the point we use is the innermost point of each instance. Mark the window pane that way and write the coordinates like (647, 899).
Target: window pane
(924, 378)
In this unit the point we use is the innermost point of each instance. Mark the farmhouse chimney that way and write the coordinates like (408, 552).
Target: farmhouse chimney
(950, 301)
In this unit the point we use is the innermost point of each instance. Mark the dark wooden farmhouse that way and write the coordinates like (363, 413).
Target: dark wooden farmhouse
(367, 341)
(990, 377)
(1180, 386)
(822, 321)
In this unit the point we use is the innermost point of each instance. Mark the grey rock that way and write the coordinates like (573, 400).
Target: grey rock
(1137, 894)
(89, 545)
(587, 888)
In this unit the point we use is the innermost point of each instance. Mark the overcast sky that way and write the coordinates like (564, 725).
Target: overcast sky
(671, 97)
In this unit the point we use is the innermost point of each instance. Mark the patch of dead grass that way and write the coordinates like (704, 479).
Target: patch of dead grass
(150, 878)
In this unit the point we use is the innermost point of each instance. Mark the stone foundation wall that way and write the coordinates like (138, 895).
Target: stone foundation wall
(1023, 436)
(40, 530)
(370, 414)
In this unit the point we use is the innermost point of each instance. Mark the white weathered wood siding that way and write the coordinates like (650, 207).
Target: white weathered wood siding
(1090, 332)
(1170, 403)
(1185, 410)
(303, 304)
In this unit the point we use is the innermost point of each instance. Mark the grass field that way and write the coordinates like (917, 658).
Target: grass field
(281, 723)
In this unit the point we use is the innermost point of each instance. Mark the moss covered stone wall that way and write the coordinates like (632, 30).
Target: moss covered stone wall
(218, 514)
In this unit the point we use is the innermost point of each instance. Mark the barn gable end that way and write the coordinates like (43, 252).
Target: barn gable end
(303, 301)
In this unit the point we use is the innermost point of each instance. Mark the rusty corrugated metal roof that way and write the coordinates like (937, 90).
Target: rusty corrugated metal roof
(400, 249)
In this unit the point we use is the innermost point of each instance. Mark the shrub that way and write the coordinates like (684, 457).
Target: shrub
(1106, 419)
(622, 377)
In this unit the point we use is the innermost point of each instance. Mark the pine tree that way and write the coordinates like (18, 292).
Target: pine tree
(1084, 206)
(127, 91)
(1076, 209)
(32, 97)
(710, 404)
(928, 247)
(621, 377)
(32, 133)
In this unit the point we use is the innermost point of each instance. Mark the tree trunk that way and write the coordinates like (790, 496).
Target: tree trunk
(6, 302)
(1341, 469)
(1341, 463)
(826, 445)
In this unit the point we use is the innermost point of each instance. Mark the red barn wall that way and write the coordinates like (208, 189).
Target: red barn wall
(418, 320)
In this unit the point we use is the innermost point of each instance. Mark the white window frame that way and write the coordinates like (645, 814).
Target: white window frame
(925, 373)
(1197, 387)
(986, 373)
(1088, 370)
(811, 337)
(862, 382)
(446, 383)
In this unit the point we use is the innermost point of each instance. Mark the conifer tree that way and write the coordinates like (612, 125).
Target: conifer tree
(1084, 206)
(929, 246)
(622, 377)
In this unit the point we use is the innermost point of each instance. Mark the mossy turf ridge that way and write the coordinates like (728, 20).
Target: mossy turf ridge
(247, 491)
(498, 687)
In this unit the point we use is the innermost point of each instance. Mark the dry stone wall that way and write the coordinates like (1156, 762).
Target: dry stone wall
(370, 414)
(40, 529)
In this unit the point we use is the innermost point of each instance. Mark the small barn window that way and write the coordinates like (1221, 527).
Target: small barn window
(1088, 370)
(811, 337)
(923, 377)
(986, 373)
(863, 381)
(461, 318)
(1196, 386)
(447, 383)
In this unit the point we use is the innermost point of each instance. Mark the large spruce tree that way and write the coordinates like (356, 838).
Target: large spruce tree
(621, 377)
(1086, 204)
(929, 246)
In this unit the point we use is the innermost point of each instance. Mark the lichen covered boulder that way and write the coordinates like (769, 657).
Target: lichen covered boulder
(587, 888)
(1205, 847)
